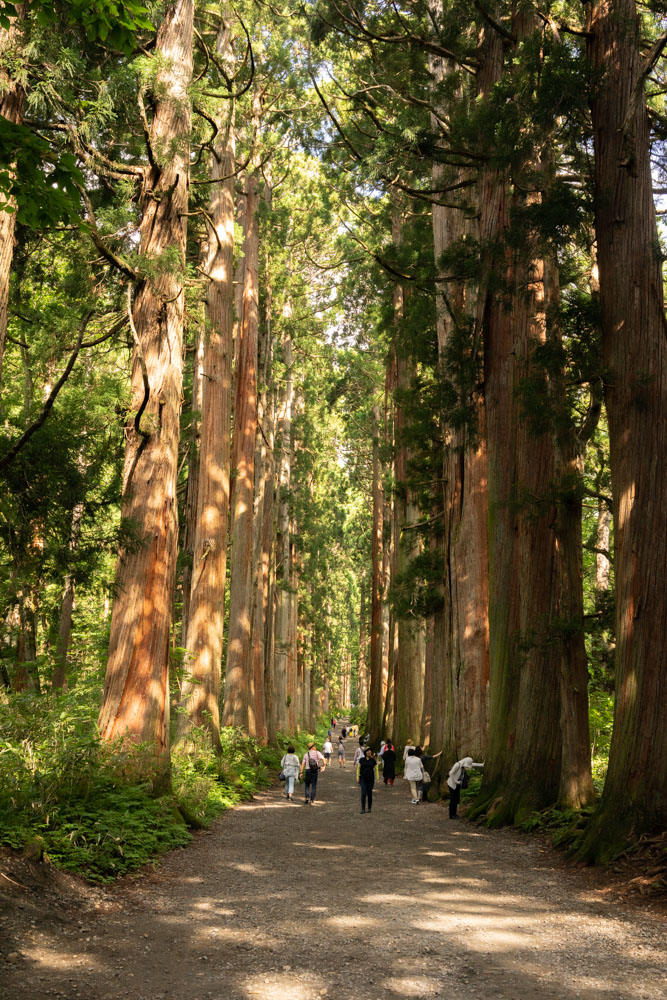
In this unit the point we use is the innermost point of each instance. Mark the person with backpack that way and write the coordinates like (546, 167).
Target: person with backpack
(366, 778)
(310, 769)
(457, 779)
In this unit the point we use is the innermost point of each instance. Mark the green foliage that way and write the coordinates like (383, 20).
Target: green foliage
(566, 827)
(41, 179)
(82, 799)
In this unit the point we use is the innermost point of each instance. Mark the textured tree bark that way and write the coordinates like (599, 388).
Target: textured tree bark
(12, 103)
(200, 696)
(409, 682)
(523, 762)
(292, 612)
(136, 691)
(375, 693)
(362, 668)
(283, 538)
(634, 346)
(238, 671)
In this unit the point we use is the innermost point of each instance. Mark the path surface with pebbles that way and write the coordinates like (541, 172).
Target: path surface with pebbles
(283, 902)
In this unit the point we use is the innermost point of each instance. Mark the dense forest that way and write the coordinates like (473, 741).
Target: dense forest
(333, 378)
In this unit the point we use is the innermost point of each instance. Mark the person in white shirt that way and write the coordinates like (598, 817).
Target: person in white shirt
(327, 750)
(414, 773)
(290, 766)
(457, 779)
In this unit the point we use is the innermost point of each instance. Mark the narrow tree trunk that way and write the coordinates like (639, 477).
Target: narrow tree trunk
(12, 102)
(634, 344)
(201, 689)
(136, 691)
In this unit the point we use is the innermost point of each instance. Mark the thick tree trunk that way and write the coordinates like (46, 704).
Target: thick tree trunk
(375, 693)
(238, 672)
(283, 570)
(524, 752)
(136, 692)
(634, 345)
(205, 621)
(409, 682)
(12, 102)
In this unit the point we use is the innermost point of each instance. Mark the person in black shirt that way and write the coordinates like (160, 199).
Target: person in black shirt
(389, 764)
(366, 772)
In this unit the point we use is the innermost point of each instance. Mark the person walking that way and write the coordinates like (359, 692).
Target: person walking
(414, 773)
(457, 779)
(341, 752)
(366, 778)
(290, 766)
(358, 754)
(425, 759)
(310, 766)
(388, 763)
(327, 750)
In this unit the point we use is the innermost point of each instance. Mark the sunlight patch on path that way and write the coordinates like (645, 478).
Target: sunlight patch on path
(284, 987)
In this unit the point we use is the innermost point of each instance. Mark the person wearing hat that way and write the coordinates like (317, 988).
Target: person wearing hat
(458, 779)
(310, 765)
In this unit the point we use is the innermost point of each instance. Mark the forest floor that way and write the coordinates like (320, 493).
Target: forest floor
(281, 901)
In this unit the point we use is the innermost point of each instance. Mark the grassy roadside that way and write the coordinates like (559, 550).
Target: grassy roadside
(67, 797)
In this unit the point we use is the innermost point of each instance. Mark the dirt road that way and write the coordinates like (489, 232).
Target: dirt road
(286, 902)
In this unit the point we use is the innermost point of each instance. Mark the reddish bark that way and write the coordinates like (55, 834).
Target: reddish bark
(237, 678)
(136, 691)
(205, 624)
(634, 345)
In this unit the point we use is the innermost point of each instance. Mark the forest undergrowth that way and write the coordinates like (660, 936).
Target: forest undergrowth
(69, 798)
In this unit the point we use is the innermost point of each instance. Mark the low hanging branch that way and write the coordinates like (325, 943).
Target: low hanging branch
(48, 405)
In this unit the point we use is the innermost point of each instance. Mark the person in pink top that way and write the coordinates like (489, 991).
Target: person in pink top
(310, 767)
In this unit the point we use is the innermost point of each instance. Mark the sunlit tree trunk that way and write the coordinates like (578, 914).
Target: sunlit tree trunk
(12, 102)
(136, 691)
(237, 676)
(205, 622)
(634, 344)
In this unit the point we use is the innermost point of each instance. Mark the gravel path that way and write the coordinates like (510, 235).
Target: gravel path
(286, 902)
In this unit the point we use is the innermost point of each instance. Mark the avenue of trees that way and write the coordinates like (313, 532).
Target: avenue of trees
(333, 366)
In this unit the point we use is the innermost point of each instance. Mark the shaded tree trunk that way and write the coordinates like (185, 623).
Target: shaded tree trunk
(634, 344)
(136, 691)
(375, 693)
(283, 570)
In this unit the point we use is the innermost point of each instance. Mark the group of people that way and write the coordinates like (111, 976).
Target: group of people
(366, 763)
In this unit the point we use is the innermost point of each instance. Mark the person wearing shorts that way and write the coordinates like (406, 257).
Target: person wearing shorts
(327, 750)
(341, 752)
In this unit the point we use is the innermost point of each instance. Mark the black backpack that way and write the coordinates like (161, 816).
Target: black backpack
(313, 764)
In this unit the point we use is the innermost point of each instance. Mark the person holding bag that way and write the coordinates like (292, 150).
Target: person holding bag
(458, 779)
(414, 773)
(425, 758)
(310, 766)
(290, 772)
